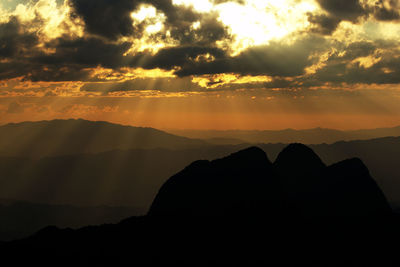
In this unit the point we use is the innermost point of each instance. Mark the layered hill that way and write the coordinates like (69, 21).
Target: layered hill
(307, 136)
(67, 137)
(132, 177)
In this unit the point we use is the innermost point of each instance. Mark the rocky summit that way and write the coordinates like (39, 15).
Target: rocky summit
(247, 183)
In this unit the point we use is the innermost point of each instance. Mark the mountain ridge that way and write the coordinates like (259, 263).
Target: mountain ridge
(75, 136)
(306, 136)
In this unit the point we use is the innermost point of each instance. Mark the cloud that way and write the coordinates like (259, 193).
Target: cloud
(387, 10)
(15, 108)
(171, 58)
(85, 52)
(349, 10)
(275, 59)
(112, 19)
(323, 24)
(145, 84)
(193, 44)
(107, 18)
(362, 62)
(70, 61)
(13, 40)
(353, 10)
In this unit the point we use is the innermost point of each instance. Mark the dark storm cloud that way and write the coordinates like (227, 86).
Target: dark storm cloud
(16, 45)
(353, 10)
(387, 10)
(275, 59)
(337, 11)
(69, 61)
(72, 58)
(346, 69)
(13, 41)
(139, 84)
(180, 19)
(107, 18)
(171, 58)
(210, 30)
(241, 2)
(323, 24)
(112, 19)
(349, 10)
(54, 73)
(342, 67)
(184, 84)
(86, 52)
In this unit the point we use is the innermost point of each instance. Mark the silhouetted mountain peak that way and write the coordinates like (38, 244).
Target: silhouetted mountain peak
(246, 182)
(353, 165)
(298, 160)
(252, 157)
(241, 183)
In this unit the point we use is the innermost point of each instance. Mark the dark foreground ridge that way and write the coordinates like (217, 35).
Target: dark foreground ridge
(247, 183)
(239, 210)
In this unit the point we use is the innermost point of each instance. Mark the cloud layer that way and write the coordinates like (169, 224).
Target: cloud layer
(118, 45)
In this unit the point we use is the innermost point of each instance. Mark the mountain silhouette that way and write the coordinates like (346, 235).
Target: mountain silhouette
(133, 178)
(15, 215)
(67, 137)
(243, 183)
(246, 182)
(298, 160)
(237, 211)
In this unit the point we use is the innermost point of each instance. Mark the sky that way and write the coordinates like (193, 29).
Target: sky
(202, 64)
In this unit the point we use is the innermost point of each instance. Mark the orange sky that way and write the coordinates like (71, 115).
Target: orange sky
(202, 64)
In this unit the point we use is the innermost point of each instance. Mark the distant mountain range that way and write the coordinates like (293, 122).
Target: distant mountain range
(70, 137)
(309, 136)
(67, 137)
(59, 170)
(132, 177)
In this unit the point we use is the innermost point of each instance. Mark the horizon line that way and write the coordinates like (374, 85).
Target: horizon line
(206, 130)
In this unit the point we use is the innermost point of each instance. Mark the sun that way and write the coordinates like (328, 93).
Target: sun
(257, 22)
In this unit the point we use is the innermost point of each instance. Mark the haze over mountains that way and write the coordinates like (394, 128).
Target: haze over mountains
(58, 170)
(66, 137)
(308, 136)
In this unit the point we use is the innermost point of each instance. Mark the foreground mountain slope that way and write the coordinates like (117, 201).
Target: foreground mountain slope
(66, 137)
(22, 219)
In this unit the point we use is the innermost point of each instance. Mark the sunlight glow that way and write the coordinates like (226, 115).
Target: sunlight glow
(144, 12)
(128, 74)
(366, 62)
(199, 5)
(154, 23)
(214, 81)
(258, 21)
